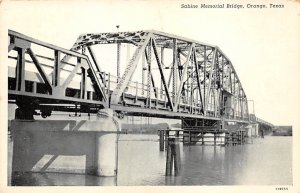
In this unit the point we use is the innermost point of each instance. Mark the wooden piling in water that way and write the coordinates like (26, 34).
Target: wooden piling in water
(215, 142)
(161, 140)
(242, 137)
(233, 138)
(173, 156)
(169, 161)
(176, 154)
(166, 139)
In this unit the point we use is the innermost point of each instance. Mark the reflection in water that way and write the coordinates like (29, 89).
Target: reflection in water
(265, 162)
(55, 179)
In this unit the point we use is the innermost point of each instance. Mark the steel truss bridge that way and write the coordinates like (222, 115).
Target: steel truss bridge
(165, 76)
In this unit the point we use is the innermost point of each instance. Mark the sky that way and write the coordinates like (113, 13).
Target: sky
(262, 44)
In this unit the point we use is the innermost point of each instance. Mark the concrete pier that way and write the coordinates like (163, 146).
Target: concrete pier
(66, 146)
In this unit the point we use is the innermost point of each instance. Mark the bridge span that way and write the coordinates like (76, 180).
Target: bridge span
(142, 73)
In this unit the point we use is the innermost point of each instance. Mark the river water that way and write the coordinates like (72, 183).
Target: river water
(266, 161)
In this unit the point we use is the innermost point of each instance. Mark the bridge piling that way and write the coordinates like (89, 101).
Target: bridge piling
(161, 140)
(173, 156)
(215, 142)
(169, 161)
(177, 157)
(166, 139)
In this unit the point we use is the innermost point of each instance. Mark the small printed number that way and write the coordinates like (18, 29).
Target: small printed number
(282, 188)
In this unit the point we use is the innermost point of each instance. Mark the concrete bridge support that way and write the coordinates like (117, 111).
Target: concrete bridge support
(253, 130)
(65, 146)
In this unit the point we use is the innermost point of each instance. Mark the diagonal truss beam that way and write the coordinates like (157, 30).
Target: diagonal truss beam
(40, 69)
(183, 74)
(198, 80)
(93, 56)
(71, 75)
(131, 66)
(162, 76)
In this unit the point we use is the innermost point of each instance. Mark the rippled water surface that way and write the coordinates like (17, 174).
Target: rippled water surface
(267, 161)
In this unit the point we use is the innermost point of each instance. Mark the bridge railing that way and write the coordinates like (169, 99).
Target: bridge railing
(261, 121)
(255, 119)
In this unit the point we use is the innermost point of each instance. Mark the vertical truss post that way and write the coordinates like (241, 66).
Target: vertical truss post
(197, 99)
(187, 93)
(20, 70)
(162, 63)
(221, 103)
(174, 69)
(136, 91)
(108, 83)
(246, 108)
(83, 83)
(143, 73)
(234, 94)
(153, 85)
(210, 78)
(178, 95)
(118, 61)
(198, 80)
(214, 101)
(149, 74)
(204, 82)
(230, 78)
(127, 52)
(192, 95)
(234, 83)
(239, 100)
(216, 84)
(56, 71)
(222, 82)
(242, 105)
(179, 65)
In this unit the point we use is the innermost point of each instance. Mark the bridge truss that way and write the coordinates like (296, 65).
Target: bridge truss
(165, 76)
